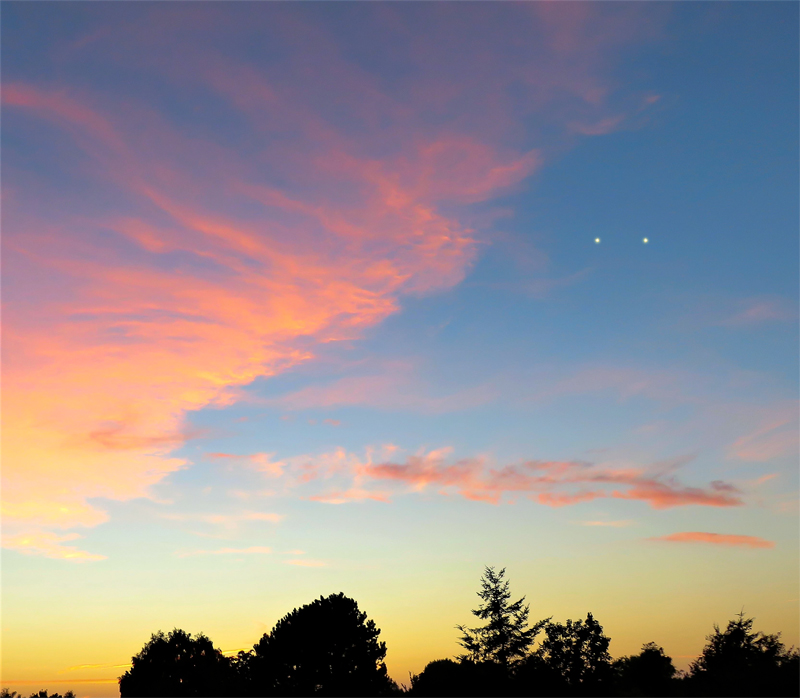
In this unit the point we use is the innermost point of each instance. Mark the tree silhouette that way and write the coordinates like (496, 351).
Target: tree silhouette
(330, 648)
(176, 665)
(578, 651)
(325, 648)
(649, 673)
(445, 677)
(505, 638)
(5, 693)
(533, 676)
(741, 662)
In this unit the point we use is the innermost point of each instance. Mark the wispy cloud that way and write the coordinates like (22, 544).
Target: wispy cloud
(388, 385)
(757, 311)
(253, 550)
(260, 461)
(50, 545)
(598, 128)
(84, 667)
(229, 520)
(193, 269)
(306, 563)
(726, 539)
(353, 494)
(551, 483)
(777, 436)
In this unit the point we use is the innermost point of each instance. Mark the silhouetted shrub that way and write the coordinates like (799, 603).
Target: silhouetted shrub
(445, 677)
(6, 693)
(649, 673)
(534, 676)
(177, 665)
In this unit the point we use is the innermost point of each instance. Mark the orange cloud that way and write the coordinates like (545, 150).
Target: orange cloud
(717, 539)
(50, 545)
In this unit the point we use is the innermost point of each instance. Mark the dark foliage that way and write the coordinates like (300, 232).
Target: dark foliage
(445, 677)
(330, 648)
(506, 637)
(326, 648)
(5, 693)
(535, 676)
(177, 665)
(649, 673)
(741, 662)
(578, 652)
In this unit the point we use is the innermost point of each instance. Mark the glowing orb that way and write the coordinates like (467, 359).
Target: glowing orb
(645, 241)
(597, 240)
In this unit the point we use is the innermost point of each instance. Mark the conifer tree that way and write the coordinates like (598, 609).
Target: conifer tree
(506, 637)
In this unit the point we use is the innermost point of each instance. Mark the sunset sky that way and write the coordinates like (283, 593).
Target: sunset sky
(361, 297)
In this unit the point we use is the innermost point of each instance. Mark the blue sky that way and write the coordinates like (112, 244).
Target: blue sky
(327, 292)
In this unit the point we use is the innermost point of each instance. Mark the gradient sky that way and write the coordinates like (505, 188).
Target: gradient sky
(307, 298)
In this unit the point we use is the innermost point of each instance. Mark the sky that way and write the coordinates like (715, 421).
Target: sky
(301, 298)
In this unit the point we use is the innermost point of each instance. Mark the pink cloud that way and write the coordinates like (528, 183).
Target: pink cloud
(665, 495)
(562, 500)
(229, 520)
(259, 461)
(757, 311)
(62, 109)
(552, 483)
(599, 128)
(775, 438)
(198, 265)
(391, 385)
(717, 539)
(765, 478)
(354, 494)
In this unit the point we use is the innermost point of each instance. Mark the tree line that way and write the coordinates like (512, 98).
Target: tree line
(330, 648)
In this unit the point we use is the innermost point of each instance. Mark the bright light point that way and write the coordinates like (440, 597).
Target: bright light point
(597, 240)
(645, 241)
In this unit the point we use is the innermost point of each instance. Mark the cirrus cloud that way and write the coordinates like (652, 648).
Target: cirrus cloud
(252, 550)
(726, 539)
(551, 483)
(167, 260)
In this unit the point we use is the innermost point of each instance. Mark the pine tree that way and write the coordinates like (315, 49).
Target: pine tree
(505, 638)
